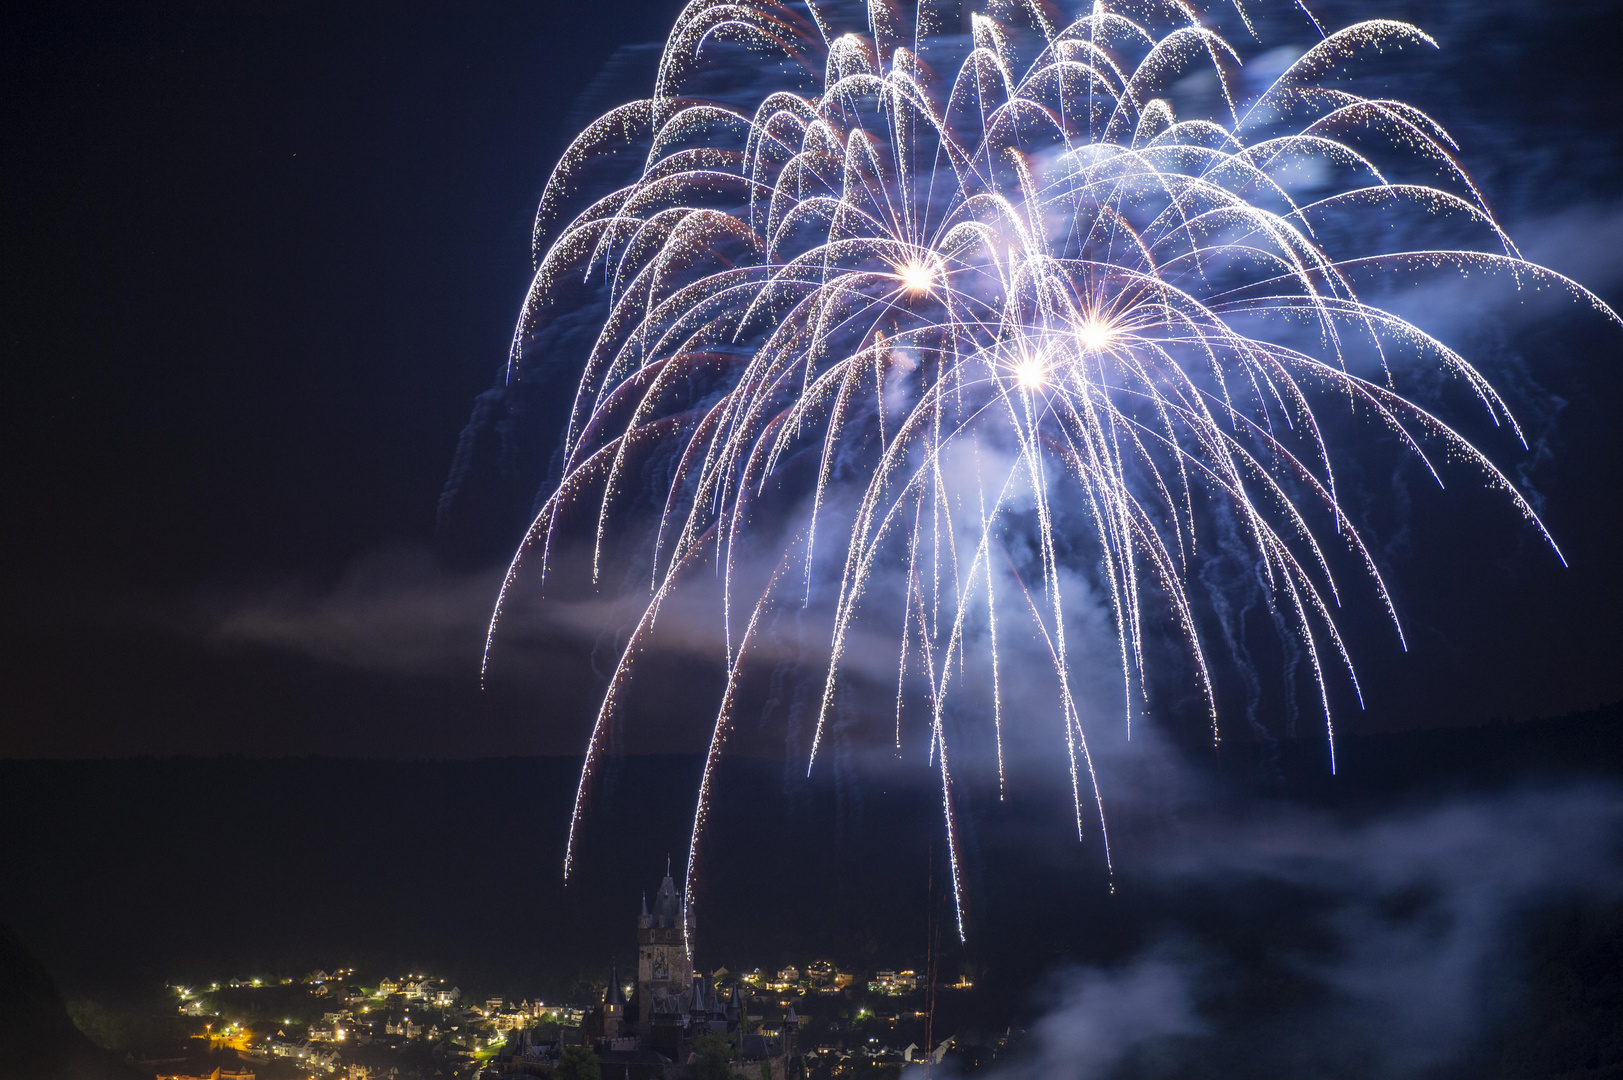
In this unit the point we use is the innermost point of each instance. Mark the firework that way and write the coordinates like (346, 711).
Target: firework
(953, 277)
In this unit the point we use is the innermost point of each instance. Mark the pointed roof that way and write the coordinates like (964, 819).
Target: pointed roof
(667, 902)
(614, 995)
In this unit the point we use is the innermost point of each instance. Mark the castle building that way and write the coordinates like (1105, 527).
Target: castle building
(664, 970)
(672, 1006)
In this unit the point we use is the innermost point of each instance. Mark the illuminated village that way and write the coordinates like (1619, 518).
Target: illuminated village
(661, 1022)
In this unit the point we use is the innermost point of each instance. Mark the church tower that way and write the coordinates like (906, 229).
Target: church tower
(614, 1006)
(663, 968)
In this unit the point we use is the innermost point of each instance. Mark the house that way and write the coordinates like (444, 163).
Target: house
(893, 982)
(328, 1030)
(405, 1028)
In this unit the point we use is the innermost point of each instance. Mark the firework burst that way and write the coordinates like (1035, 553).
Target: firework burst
(962, 276)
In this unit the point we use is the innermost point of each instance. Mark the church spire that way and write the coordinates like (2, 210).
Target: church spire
(667, 910)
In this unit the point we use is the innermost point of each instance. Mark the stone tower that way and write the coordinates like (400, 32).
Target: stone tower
(614, 1006)
(663, 968)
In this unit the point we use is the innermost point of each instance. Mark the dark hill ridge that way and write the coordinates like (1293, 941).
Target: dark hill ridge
(37, 1038)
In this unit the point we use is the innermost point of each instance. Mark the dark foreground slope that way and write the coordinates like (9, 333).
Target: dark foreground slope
(38, 1040)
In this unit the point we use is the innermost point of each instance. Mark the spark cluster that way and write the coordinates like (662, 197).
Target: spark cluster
(966, 274)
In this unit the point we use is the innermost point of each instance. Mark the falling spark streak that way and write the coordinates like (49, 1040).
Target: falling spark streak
(1007, 243)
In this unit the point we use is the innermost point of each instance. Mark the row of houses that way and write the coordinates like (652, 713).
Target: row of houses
(420, 988)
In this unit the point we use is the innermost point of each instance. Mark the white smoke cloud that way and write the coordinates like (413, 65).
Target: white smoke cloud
(1102, 1016)
(1404, 953)
(390, 611)
(1097, 1018)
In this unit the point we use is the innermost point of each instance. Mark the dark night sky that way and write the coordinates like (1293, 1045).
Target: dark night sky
(261, 259)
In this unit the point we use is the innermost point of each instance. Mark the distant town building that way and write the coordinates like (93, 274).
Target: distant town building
(405, 1027)
(509, 1021)
(893, 982)
(333, 1027)
(311, 1057)
(826, 978)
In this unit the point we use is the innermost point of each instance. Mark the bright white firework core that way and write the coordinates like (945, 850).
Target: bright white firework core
(1031, 374)
(917, 277)
(1096, 334)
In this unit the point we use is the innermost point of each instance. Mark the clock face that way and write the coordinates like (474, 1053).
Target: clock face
(662, 965)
